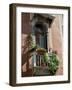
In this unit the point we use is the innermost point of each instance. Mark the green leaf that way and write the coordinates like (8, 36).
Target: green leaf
(45, 57)
(53, 63)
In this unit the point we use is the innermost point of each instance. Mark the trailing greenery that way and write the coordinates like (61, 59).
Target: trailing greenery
(50, 58)
(53, 63)
(45, 57)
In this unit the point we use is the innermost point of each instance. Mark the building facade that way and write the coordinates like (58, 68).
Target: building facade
(47, 33)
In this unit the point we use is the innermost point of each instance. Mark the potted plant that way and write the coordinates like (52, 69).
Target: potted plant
(41, 51)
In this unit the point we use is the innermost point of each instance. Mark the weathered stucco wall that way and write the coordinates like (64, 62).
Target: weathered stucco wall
(56, 36)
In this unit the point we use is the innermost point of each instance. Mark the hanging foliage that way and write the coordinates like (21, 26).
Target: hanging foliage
(45, 57)
(53, 63)
(50, 58)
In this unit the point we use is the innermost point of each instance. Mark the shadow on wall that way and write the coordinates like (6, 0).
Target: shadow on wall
(26, 29)
(25, 61)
